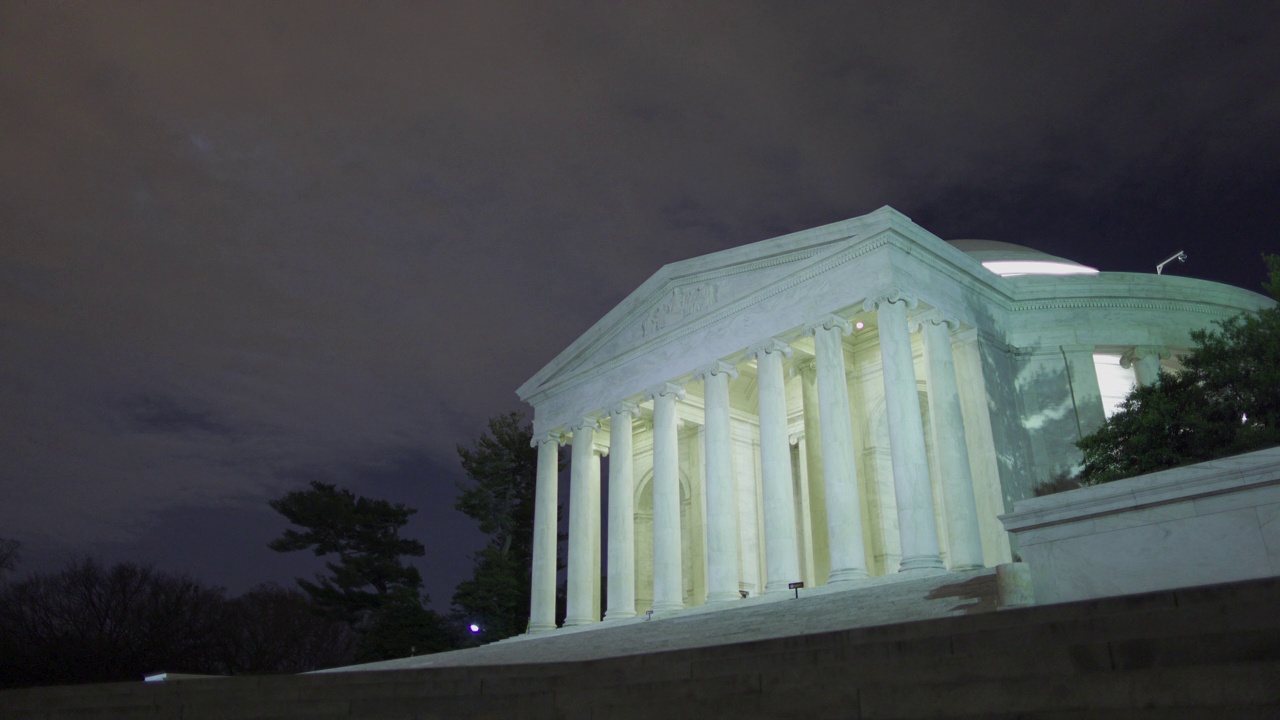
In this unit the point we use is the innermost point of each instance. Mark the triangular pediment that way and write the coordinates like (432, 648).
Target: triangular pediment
(689, 293)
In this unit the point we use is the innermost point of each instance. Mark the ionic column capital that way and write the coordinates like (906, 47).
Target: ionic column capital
(829, 322)
(804, 365)
(794, 438)
(662, 389)
(624, 408)
(715, 368)
(893, 295)
(932, 317)
(589, 423)
(1141, 352)
(771, 345)
(556, 435)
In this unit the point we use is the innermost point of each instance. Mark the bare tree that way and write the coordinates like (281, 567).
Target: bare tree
(276, 629)
(89, 623)
(10, 554)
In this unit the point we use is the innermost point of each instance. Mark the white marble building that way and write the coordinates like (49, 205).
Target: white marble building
(840, 403)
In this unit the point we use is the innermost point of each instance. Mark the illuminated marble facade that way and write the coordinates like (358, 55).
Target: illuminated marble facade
(845, 402)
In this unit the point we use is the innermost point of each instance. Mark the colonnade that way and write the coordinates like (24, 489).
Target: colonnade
(911, 480)
(1145, 362)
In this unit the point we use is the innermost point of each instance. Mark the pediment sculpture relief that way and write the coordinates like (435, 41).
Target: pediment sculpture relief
(682, 302)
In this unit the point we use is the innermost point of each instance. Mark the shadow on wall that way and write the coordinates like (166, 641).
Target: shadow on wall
(1049, 418)
(1011, 444)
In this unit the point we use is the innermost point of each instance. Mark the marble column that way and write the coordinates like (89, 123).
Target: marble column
(1145, 361)
(804, 509)
(839, 467)
(542, 603)
(950, 444)
(598, 452)
(782, 557)
(580, 589)
(622, 533)
(916, 525)
(1082, 377)
(818, 549)
(668, 584)
(722, 526)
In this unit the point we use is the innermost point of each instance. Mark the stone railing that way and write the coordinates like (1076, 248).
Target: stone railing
(1215, 522)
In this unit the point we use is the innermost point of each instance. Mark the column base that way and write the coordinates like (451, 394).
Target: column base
(613, 615)
(963, 568)
(776, 588)
(576, 622)
(846, 575)
(661, 607)
(923, 564)
(722, 597)
(1013, 586)
(540, 628)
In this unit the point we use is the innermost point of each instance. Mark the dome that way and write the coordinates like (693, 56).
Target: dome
(1006, 259)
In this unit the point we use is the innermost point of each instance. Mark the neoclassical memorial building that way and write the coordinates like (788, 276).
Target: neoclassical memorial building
(841, 403)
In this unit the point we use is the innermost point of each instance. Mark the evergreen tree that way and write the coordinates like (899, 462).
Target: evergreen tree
(1226, 400)
(502, 470)
(369, 587)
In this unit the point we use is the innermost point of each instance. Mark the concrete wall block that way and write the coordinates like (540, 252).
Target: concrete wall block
(1222, 686)
(1200, 649)
(1269, 526)
(149, 712)
(1012, 697)
(250, 708)
(1144, 516)
(1050, 533)
(1252, 497)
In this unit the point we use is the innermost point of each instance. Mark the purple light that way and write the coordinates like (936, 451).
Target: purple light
(475, 628)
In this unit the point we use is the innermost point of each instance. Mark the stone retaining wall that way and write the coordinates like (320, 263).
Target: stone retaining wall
(1214, 522)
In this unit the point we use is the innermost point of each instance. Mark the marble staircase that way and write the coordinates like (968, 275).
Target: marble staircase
(874, 602)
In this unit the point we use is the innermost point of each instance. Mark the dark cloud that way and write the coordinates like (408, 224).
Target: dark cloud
(158, 413)
(305, 239)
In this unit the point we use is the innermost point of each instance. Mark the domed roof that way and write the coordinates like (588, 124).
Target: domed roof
(1006, 259)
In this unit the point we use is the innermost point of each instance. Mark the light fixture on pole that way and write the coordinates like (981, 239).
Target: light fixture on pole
(1179, 256)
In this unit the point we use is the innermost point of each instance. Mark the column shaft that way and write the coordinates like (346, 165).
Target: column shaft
(668, 586)
(596, 544)
(580, 588)
(722, 526)
(542, 601)
(1145, 362)
(1147, 370)
(1086, 398)
(622, 534)
(951, 447)
(916, 524)
(782, 558)
(819, 545)
(839, 468)
(804, 510)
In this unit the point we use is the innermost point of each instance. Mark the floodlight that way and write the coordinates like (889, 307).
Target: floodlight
(1179, 256)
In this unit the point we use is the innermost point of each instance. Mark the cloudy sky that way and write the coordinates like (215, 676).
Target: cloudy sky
(247, 245)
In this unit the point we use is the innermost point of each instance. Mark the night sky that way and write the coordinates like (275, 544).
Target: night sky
(248, 245)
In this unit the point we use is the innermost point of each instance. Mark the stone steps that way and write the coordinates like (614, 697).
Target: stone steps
(816, 611)
(1201, 652)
